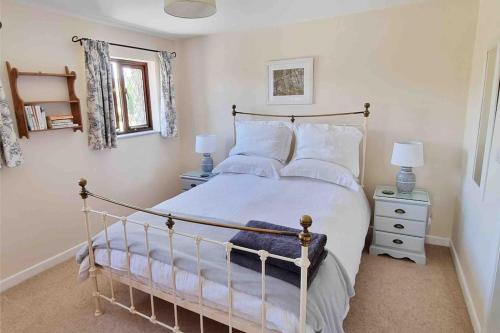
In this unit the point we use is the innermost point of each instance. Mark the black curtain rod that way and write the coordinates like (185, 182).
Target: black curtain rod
(76, 39)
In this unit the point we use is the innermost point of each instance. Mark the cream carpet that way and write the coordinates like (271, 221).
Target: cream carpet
(391, 296)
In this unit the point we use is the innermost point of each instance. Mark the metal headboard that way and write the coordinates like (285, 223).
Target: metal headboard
(365, 113)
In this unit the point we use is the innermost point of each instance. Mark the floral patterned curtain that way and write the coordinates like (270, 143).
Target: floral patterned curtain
(100, 103)
(168, 114)
(10, 150)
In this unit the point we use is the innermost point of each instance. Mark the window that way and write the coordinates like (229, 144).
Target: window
(131, 96)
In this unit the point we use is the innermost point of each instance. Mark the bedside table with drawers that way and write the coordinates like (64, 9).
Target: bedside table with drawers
(192, 179)
(400, 223)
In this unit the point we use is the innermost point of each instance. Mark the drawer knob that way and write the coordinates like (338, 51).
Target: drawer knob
(399, 211)
(193, 185)
(397, 241)
(399, 226)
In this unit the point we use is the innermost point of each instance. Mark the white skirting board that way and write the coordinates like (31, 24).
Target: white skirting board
(476, 324)
(437, 240)
(29, 272)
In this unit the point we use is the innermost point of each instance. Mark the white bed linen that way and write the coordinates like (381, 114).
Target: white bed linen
(343, 215)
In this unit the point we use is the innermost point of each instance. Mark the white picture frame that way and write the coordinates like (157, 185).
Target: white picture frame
(291, 81)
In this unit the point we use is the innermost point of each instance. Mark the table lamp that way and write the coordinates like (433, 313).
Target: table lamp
(205, 144)
(407, 155)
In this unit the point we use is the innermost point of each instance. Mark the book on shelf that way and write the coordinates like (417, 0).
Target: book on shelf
(35, 117)
(58, 122)
(64, 126)
(29, 118)
(61, 121)
(60, 117)
(41, 116)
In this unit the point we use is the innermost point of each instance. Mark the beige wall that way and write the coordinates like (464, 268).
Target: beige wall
(40, 207)
(476, 234)
(411, 62)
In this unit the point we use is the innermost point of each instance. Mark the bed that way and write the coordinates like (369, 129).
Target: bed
(190, 267)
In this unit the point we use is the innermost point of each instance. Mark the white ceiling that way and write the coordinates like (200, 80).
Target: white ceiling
(148, 15)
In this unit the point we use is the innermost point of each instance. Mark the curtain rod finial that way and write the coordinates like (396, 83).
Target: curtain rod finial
(75, 39)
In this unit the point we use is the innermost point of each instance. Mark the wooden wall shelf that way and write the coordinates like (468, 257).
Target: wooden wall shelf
(19, 103)
(48, 102)
(45, 74)
(57, 129)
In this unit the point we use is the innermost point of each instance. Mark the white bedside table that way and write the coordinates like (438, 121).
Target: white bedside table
(192, 179)
(400, 223)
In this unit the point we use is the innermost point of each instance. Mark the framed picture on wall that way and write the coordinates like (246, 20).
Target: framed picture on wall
(290, 81)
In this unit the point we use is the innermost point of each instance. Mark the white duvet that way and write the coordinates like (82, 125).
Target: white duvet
(342, 214)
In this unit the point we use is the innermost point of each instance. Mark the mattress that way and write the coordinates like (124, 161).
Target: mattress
(342, 214)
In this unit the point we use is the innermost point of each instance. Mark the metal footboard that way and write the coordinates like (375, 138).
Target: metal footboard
(204, 311)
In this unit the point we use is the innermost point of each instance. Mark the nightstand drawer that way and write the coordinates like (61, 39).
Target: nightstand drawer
(402, 242)
(401, 210)
(399, 226)
(188, 184)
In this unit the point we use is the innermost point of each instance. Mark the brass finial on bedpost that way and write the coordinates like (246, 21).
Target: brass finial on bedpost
(82, 183)
(234, 110)
(366, 113)
(170, 222)
(305, 235)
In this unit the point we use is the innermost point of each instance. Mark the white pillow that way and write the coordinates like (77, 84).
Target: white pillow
(329, 172)
(271, 139)
(329, 143)
(252, 165)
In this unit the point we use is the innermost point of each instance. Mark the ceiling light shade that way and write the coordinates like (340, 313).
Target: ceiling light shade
(190, 8)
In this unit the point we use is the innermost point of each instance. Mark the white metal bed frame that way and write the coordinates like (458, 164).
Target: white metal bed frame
(229, 319)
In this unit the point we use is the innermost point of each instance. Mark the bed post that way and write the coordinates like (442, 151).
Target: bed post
(234, 122)
(92, 270)
(366, 114)
(305, 240)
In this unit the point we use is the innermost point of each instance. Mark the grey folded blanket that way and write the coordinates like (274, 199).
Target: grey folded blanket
(286, 246)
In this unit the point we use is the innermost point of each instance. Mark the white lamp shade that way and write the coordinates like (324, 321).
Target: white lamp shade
(205, 143)
(408, 154)
(190, 8)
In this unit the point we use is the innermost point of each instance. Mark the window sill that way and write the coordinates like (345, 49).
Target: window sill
(132, 135)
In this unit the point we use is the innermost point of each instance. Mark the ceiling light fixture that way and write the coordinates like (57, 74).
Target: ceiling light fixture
(192, 9)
